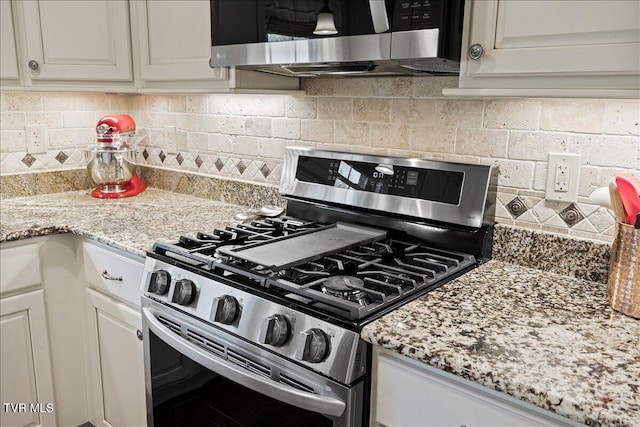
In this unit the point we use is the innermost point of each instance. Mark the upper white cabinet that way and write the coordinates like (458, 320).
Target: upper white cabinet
(174, 44)
(117, 45)
(9, 72)
(181, 53)
(559, 47)
(86, 42)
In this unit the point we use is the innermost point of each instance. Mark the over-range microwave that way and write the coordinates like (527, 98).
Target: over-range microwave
(309, 38)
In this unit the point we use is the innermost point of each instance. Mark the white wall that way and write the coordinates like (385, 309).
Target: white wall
(244, 136)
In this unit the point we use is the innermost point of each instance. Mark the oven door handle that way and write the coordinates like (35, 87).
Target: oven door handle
(309, 401)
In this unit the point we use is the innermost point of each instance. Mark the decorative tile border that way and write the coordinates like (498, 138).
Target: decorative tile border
(218, 165)
(529, 209)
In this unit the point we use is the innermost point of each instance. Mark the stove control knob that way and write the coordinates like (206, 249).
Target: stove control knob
(184, 292)
(226, 309)
(274, 330)
(313, 346)
(159, 282)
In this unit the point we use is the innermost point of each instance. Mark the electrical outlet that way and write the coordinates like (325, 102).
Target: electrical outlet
(37, 139)
(563, 177)
(170, 140)
(561, 183)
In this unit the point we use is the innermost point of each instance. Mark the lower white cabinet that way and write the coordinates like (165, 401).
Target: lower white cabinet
(411, 394)
(116, 362)
(114, 337)
(25, 364)
(70, 350)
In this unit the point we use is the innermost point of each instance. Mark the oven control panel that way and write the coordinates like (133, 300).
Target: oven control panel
(318, 344)
(443, 186)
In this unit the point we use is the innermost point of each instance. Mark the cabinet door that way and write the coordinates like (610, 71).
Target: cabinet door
(76, 40)
(117, 362)
(25, 365)
(591, 44)
(175, 40)
(9, 54)
(174, 47)
(409, 393)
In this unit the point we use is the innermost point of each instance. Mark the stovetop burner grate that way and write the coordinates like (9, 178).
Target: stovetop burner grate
(384, 272)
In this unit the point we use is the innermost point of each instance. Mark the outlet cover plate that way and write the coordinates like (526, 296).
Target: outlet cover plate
(37, 139)
(563, 177)
(171, 142)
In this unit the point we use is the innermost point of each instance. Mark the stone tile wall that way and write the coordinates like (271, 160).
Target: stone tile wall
(244, 136)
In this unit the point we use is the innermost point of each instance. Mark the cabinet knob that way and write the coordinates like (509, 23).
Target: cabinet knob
(33, 65)
(139, 334)
(476, 51)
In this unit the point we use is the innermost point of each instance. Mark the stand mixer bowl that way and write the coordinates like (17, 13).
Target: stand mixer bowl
(111, 169)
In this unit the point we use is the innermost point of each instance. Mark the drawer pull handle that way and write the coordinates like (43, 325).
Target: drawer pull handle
(105, 275)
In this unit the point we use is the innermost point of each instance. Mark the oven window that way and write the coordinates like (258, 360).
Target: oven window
(185, 393)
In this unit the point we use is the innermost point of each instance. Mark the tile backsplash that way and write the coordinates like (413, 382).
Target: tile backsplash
(244, 136)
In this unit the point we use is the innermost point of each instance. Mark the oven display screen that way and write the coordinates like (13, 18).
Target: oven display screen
(427, 184)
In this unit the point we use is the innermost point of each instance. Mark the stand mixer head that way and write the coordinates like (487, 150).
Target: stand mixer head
(112, 162)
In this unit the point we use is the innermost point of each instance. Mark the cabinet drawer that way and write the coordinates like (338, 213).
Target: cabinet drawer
(112, 272)
(19, 267)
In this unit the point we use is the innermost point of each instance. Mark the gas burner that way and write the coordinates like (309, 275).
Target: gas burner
(347, 288)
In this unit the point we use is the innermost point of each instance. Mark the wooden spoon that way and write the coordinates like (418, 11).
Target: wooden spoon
(616, 202)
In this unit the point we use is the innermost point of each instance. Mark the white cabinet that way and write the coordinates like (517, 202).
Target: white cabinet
(25, 367)
(114, 335)
(554, 48)
(26, 384)
(174, 47)
(9, 72)
(408, 393)
(118, 45)
(39, 288)
(173, 40)
(83, 43)
(116, 362)
(70, 354)
(112, 272)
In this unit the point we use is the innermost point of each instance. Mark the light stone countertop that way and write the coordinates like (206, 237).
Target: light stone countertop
(130, 224)
(545, 338)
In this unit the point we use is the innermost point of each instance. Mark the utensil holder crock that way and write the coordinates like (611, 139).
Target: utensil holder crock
(623, 291)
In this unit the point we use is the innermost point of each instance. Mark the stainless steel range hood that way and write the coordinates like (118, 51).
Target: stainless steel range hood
(389, 49)
(406, 53)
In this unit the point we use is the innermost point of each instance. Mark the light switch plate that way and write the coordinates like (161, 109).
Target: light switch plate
(563, 177)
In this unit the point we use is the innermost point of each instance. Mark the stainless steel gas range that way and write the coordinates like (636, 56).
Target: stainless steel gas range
(258, 324)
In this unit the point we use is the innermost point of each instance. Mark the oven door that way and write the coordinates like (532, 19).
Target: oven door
(198, 375)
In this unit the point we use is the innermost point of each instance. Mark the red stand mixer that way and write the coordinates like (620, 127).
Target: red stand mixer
(112, 162)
